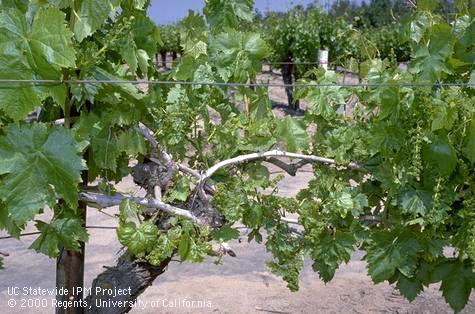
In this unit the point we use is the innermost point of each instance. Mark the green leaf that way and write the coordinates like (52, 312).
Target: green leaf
(60, 3)
(472, 80)
(132, 143)
(294, 134)
(104, 149)
(184, 246)
(50, 41)
(44, 163)
(255, 46)
(127, 50)
(430, 59)
(443, 117)
(128, 209)
(91, 15)
(32, 52)
(126, 89)
(415, 202)
(253, 217)
(221, 13)
(21, 5)
(330, 251)
(469, 148)
(142, 59)
(457, 282)
(180, 191)
(389, 251)
(68, 232)
(427, 5)
(226, 233)
(146, 35)
(411, 287)
(138, 240)
(440, 154)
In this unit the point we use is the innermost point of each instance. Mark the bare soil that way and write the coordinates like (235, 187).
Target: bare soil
(240, 285)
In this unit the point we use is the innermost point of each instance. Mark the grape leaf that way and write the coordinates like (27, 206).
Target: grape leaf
(44, 163)
(21, 5)
(222, 13)
(132, 143)
(457, 282)
(330, 251)
(137, 240)
(427, 5)
(32, 52)
(68, 232)
(91, 15)
(146, 34)
(415, 201)
(293, 132)
(61, 3)
(388, 252)
(127, 50)
(411, 287)
(440, 154)
(226, 233)
(128, 209)
(50, 41)
(184, 246)
(469, 149)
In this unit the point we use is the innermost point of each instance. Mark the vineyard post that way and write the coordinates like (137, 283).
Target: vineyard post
(69, 263)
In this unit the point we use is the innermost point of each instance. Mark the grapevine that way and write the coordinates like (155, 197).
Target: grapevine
(393, 178)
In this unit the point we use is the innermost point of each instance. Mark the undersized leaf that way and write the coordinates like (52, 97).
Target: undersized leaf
(128, 209)
(138, 240)
(180, 190)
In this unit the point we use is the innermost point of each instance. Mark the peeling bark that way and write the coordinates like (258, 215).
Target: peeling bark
(128, 276)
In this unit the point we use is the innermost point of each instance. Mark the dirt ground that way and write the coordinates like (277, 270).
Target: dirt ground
(240, 285)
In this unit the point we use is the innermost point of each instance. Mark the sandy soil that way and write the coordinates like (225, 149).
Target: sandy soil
(239, 285)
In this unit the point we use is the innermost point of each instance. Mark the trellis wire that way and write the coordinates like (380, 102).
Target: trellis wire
(224, 84)
(263, 62)
(39, 232)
